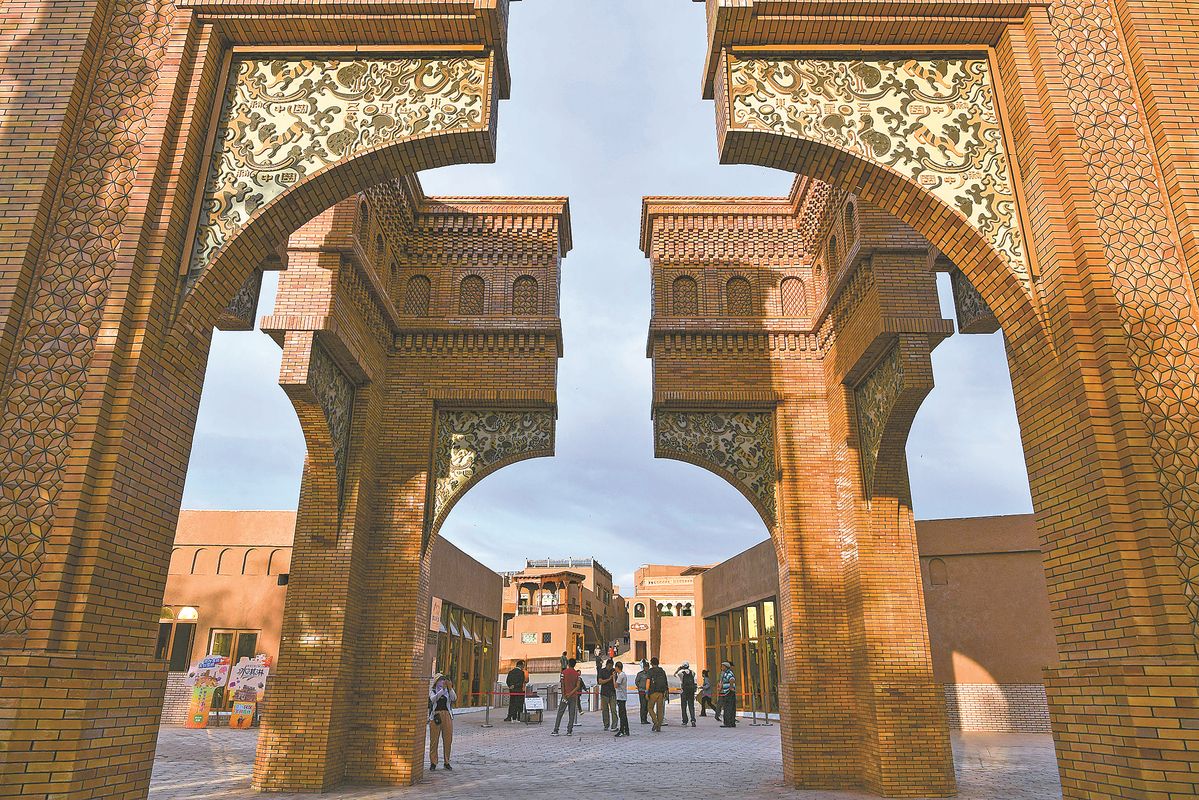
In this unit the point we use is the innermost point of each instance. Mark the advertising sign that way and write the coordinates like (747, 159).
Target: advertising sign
(247, 687)
(208, 675)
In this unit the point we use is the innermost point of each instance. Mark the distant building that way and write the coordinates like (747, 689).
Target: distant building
(560, 605)
(664, 613)
(228, 582)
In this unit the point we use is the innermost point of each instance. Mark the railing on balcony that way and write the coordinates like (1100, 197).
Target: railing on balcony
(543, 610)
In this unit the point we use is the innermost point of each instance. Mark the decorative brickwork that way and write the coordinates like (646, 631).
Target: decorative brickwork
(932, 120)
(335, 393)
(242, 310)
(471, 444)
(974, 315)
(284, 119)
(736, 444)
(997, 707)
(875, 398)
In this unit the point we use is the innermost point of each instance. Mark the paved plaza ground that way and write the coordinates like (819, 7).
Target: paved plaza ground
(522, 762)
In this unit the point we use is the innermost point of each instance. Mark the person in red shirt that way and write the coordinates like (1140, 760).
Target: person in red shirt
(571, 684)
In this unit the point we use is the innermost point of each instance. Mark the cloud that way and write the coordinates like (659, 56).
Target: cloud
(606, 108)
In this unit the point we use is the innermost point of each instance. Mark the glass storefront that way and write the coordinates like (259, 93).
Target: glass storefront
(467, 653)
(748, 638)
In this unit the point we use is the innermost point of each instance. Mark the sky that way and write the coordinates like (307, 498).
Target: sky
(606, 108)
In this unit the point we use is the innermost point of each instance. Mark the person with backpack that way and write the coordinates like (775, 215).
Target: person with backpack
(605, 678)
(687, 691)
(659, 686)
(516, 682)
(639, 681)
(705, 697)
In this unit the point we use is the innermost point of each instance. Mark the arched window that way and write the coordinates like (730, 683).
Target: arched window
(830, 255)
(795, 299)
(938, 573)
(639, 610)
(202, 562)
(228, 563)
(738, 298)
(851, 221)
(279, 562)
(524, 296)
(179, 561)
(380, 250)
(686, 612)
(364, 218)
(416, 296)
(470, 295)
(255, 562)
(684, 297)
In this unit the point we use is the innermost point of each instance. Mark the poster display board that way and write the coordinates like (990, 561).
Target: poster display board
(208, 675)
(247, 687)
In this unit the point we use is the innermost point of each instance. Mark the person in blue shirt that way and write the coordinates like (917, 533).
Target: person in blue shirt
(728, 695)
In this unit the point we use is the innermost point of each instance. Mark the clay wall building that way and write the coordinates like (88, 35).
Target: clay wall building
(228, 585)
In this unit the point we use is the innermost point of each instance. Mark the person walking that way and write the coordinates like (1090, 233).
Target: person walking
(686, 676)
(516, 681)
(728, 695)
(659, 686)
(570, 684)
(643, 691)
(705, 697)
(605, 678)
(562, 661)
(620, 684)
(441, 719)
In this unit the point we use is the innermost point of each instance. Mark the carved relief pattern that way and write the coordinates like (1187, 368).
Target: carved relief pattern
(47, 385)
(739, 299)
(974, 315)
(739, 444)
(1148, 276)
(284, 119)
(794, 298)
(239, 313)
(471, 296)
(524, 296)
(335, 393)
(875, 397)
(471, 442)
(416, 296)
(684, 293)
(932, 121)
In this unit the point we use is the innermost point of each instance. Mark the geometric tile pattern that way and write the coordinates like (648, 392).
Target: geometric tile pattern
(471, 443)
(875, 398)
(933, 121)
(335, 393)
(524, 296)
(287, 118)
(738, 445)
(1148, 276)
(57, 338)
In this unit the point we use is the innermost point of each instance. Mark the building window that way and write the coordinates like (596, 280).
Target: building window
(416, 296)
(524, 296)
(685, 611)
(470, 296)
(234, 644)
(684, 296)
(938, 573)
(546, 638)
(748, 638)
(380, 250)
(851, 221)
(639, 610)
(364, 218)
(174, 646)
(738, 298)
(795, 299)
(830, 256)
(528, 638)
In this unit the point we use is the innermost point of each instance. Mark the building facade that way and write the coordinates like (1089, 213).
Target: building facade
(227, 588)
(664, 613)
(556, 606)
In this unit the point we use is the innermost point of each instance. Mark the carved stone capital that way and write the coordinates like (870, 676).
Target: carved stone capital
(472, 443)
(334, 392)
(875, 398)
(737, 445)
(974, 314)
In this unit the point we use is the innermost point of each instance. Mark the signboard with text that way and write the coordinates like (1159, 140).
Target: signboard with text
(208, 675)
(247, 687)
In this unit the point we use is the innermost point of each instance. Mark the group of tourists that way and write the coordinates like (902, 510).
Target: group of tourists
(653, 692)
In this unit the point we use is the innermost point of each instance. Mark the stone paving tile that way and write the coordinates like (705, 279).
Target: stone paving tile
(517, 761)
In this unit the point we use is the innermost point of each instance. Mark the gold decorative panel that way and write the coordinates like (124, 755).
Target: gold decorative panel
(738, 445)
(285, 119)
(933, 121)
(471, 444)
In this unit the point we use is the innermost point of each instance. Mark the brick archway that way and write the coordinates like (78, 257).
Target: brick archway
(1102, 336)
